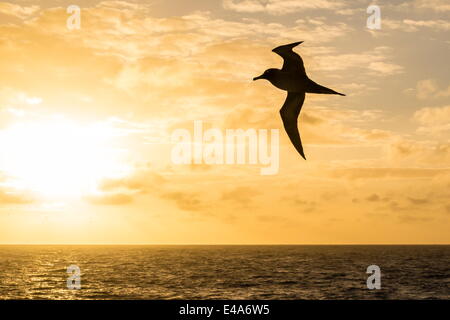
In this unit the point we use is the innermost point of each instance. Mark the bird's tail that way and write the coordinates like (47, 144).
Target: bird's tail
(312, 87)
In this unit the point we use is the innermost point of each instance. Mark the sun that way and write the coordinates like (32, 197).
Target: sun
(59, 157)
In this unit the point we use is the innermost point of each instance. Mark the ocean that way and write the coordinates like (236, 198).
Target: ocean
(224, 272)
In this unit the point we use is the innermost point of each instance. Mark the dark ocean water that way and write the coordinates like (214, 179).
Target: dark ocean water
(224, 272)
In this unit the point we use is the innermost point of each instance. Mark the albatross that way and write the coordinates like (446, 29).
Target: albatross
(293, 79)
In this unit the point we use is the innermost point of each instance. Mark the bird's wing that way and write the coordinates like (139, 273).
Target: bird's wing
(289, 114)
(292, 61)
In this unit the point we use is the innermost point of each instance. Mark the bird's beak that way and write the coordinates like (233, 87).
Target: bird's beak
(258, 77)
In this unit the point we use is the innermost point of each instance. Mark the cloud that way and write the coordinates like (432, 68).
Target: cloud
(373, 198)
(375, 61)
(433, 120)
(297, 201)
(122, 191)
(436, 5)
(385, 68)
(407, 218)
(388, 173)
(433, 115)
(122, 5)
(178, 36)
(425, 88)
(142, 181)
(8, 197)
(279, 7)
(418, 201)
(428, 88)
(240, 195)
(114, 199)
(319, 125)
(149, 181)
(433, 24)
(167, 65)
(424, 153)
(409, 25)
(18, 11)
(188, 201)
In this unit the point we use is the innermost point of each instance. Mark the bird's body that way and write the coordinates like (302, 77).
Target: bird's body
(288, 81)
(293, 79)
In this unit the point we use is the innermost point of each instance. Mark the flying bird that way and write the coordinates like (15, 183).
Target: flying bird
(293, 79)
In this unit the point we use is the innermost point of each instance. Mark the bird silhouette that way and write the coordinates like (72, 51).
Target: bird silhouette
(293, 79)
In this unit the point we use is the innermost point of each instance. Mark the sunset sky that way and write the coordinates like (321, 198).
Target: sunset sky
(86, 118)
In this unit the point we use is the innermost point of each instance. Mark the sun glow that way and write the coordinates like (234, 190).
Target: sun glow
(59, 158)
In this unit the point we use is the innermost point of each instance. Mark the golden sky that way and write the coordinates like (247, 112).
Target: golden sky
(86, 118)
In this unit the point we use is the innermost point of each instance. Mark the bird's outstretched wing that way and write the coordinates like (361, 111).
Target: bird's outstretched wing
(289, 114)
(292, 61)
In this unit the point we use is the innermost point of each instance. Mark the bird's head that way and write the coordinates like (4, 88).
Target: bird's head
(269, 74)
